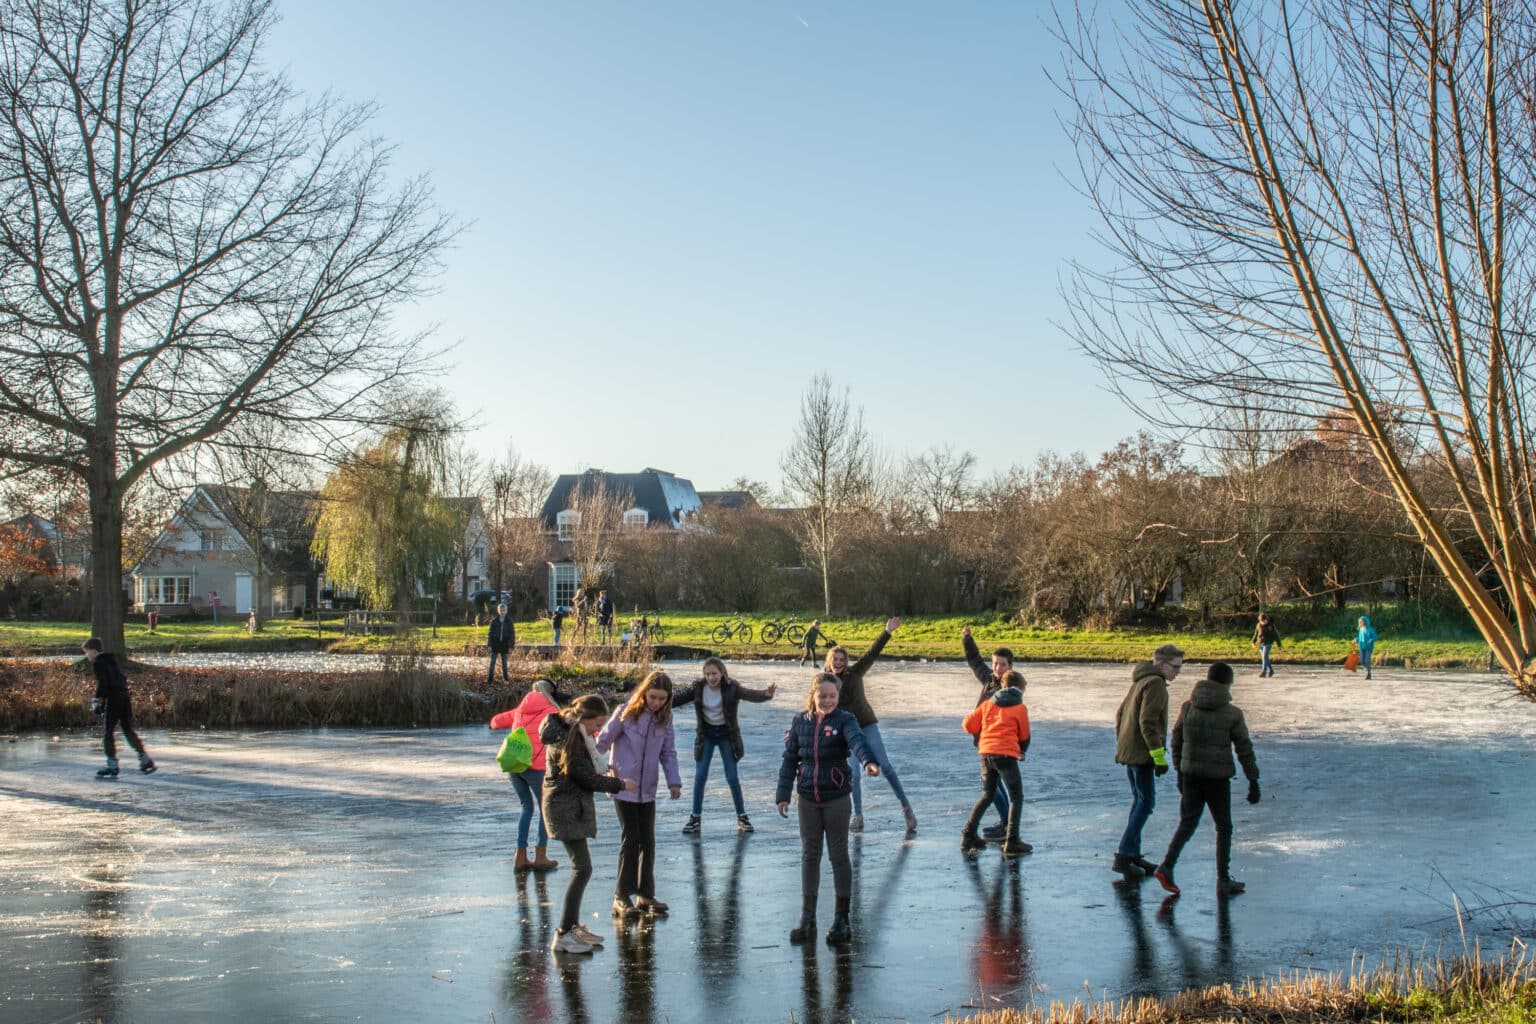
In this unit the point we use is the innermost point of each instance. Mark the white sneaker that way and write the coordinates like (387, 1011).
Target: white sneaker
(856, 823)
(570, 942)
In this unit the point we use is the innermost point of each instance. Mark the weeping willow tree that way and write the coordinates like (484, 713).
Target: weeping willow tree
(1329, 210)
(384, 526)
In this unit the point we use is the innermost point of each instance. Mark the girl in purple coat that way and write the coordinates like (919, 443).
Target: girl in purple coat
(640, 737)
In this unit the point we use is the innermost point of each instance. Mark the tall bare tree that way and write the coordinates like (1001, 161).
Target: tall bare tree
(828, 472)
(1329, 208)
(599, 512)
(941, 479)
(465, 484)
(518, 489)
(184, 241)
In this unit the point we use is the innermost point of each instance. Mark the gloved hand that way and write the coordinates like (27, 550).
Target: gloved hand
(1159, 770)
(1159, 761)
(1253, 791)
(95, 705)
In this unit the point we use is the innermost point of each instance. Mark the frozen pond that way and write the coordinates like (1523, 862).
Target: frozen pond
(368, 875)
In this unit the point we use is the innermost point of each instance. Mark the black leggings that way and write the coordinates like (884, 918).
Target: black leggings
(637, 850)
(581, 873)
(1199, 794)
(825, 822)
(119, 713)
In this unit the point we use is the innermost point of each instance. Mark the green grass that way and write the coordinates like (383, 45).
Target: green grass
(1315, 639)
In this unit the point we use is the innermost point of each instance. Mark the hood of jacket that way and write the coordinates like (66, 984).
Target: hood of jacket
(1143, 669)
(1008, 697)
(533, 708)
(1209, 695)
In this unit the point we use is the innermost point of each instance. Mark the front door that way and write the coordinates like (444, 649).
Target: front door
(242, 593)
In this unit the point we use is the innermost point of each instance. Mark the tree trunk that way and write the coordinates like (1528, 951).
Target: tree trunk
(107, 608)
(826, 570)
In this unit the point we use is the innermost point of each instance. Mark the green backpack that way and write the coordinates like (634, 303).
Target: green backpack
(516, 753)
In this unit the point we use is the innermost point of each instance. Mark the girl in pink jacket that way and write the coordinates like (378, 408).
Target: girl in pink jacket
(640, 737)
(539, 703)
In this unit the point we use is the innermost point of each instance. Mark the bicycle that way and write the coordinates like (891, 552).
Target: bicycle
(775, 628)
(648, 630)
(738, 630)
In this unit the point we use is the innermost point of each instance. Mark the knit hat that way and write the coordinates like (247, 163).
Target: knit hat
(1220, 672)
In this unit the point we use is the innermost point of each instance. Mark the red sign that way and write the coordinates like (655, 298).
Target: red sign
(213, 597)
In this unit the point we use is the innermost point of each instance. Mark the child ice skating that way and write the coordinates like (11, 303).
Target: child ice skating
(1365, 641)
(115, 705)
(990, 679)
(1001, 725)
(716, 698)
(1208, 729)
(641, 738)
(537, 705)
(851, 697)
(569, 811)
(815, 765)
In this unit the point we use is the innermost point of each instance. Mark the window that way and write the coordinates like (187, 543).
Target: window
(562, 584)
(211, 540)
(636, 519)
(566, 522)
(479, 554)
(165, 590)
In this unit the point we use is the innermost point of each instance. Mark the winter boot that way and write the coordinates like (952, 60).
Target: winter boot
(1129, 867)
(805, 931)
(841, 933)
(541, 861)
(744, 824)
(146, 765)
(523, 863)
(110, 771)
(1016, 848)
(692, 826)
(1147, 867)
(970, 842)
(911, 820)
(1164, 876)
(995, 833)
(1230, 887)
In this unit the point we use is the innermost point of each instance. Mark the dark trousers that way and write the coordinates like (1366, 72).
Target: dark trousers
(997, 768)
(119, 713)
(825, 822)
(576, 886)
(637, 850)
(490, 670)
(1197, 796)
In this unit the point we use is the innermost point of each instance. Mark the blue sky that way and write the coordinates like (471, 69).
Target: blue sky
(679, 211)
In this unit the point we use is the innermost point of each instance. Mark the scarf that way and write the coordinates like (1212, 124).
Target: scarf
(599, 761)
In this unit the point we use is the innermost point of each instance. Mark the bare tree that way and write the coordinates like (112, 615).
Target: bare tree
(1329, 208)
(828, 472)
(941, 479)
(465, 482)
(518, 489)
(184, 242)
(599, 516)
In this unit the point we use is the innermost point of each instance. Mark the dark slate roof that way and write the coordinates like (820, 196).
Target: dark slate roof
(292, 512)
(728, 499)
(665, 498)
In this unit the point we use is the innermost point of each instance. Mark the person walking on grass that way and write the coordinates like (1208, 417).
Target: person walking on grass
(1141, 730)
(1001, 727)
(604, 617)
(641, 737)
(537, 704)
(1365, 640)
(115, 705)
(817, 750)
(1208, 729)
(574, 775)
(499, 640)
(715, 698)
(1266, 637)
(557, 619)
(851, 696)
(808, 642)
(988, 677)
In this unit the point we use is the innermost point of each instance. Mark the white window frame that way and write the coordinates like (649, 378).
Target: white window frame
(636, 518)
(180, 590)
(210, 540)
(562, 583)
(566, 523)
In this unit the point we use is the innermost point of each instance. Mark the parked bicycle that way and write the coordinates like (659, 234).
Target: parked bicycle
(775, 628)
(733, 629)
(647, 629)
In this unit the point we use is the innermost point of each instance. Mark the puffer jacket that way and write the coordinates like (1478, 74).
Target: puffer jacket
(569, 810)
(1141, 724)
(1001, 724)
(639, 745)
(501, 635)
(111, 684)
(850, 683)
(530, 714)
(816, 756)
(732, 694)
(1209, 728)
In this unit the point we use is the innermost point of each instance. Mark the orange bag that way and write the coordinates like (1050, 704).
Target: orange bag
(1352, 660)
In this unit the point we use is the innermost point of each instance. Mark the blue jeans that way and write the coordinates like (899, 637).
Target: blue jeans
(1143, 799)
(490, 670)
(716, 737)
(1265, 668)
(529, 786)
(1365, 658)
(876, 748)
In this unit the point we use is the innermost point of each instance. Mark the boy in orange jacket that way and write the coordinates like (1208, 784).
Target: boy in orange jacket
(1002, 725)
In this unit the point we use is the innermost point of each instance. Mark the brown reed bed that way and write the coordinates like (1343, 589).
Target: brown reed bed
(408, 689)
(1460, 989)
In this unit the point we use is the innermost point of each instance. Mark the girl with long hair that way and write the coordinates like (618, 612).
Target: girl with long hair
(850, 679)
(641, 738)
(715, 698)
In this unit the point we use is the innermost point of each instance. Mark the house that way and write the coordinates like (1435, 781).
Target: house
(63, 553)
(650, 499)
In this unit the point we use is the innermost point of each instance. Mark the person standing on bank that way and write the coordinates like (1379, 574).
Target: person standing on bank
(809, 641)
(1209, 728)
(715, 699)
(1141, 731)
(604, 617)
(817, 750)
(988, 677)
(1266, 637)
(851, 696)
(115, 705)
(499, 640)
(641, 737)
(557, 619)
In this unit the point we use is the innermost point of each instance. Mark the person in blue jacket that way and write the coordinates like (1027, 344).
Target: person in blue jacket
(815, 765)
(1365, 639)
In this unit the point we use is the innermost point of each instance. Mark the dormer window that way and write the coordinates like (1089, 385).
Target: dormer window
(566, 523)
(636, 519)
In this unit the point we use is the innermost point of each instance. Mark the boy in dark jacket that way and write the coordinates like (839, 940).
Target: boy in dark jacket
(812, 637)
(1209, 728)
(113, 702)
(989, 677)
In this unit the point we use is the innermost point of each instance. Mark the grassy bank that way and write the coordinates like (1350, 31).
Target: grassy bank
(37, 695)
(1457, 991)
(1310, 637)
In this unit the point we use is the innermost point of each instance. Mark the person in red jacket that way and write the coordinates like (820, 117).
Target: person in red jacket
(539, 703)
(1001, 723)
